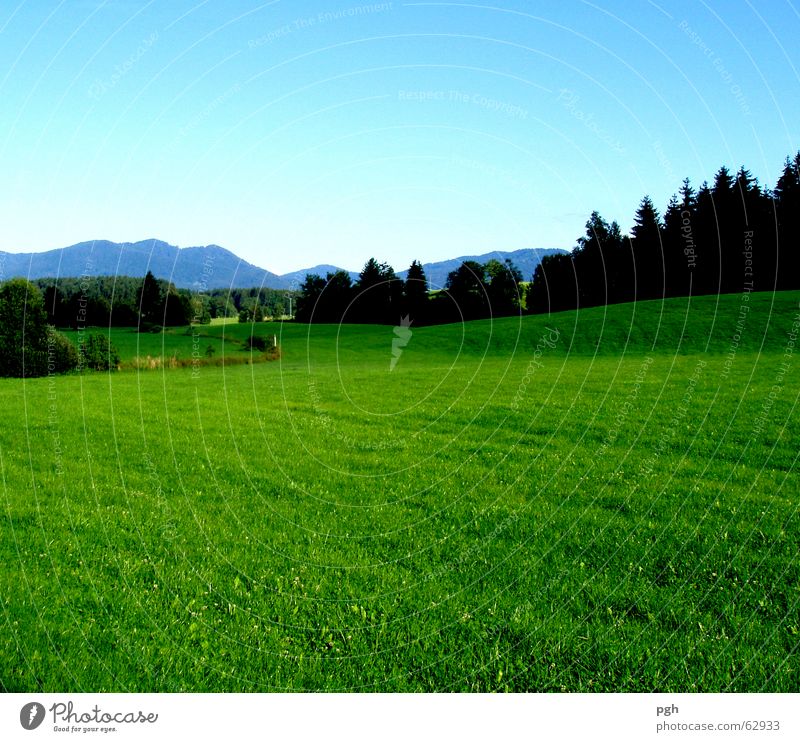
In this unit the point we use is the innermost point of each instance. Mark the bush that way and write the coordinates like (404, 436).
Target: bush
(256, 342)
(62, 355)
(98, 353)
(23, 330)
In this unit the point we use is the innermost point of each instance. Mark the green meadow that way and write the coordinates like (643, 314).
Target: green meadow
(603, 500)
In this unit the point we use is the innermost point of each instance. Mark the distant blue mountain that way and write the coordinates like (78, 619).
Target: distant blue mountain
(209, 267)
(526, 260)
(190, 267)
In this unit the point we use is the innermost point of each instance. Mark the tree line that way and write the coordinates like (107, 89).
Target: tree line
(731, 236)
(727, 237)
(30, 312)
(254, 304)
(119, 301)
(149, 303)
(378, 296)
(30, 346)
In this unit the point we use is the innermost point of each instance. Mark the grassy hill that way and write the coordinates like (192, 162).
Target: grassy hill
(592, 501)
(706, 324)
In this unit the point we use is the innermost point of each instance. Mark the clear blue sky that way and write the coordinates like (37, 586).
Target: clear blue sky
(297, 133)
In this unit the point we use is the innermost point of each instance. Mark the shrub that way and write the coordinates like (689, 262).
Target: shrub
(98, 353)
(62, 355)
(256, 342)
(23, 330)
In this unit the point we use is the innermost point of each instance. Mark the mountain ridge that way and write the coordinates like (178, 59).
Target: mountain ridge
(204, 267)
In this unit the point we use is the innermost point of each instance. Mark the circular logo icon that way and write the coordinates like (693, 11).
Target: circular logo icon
(32, 715)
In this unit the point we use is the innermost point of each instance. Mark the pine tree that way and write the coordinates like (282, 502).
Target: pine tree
(678, 248)
(688, 196)
(647, 251)
(150, 303)
(706, 243)
(600, 264)
(415, 295)
(787, 204)
(756, 221)
(378, 295)
(728, 213)
(371, 275)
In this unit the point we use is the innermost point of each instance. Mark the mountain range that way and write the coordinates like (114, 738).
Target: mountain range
(204, 268)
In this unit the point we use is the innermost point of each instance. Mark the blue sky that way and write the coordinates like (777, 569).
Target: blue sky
(298, 133)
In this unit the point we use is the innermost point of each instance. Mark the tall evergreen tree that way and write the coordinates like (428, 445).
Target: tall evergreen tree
(688, 197)
(706, 243)
(151, 305)
(728, 213)
(378, 295)
(600, 263)
(671, 241)
(415, 295)
(787, 204)
(757, 259)
(680, 249)
(678, 241)
(647, 251)
(590, 267)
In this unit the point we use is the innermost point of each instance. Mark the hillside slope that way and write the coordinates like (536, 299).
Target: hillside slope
(707, 324)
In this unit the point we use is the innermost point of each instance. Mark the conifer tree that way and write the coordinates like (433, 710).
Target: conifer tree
(415, 295)
(647, 251)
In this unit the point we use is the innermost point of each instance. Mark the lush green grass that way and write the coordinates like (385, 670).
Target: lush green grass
(224, 320)
(516, 506)
(181, 342)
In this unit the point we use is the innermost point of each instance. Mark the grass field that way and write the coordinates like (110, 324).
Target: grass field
(180, 342)
(595, 501)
